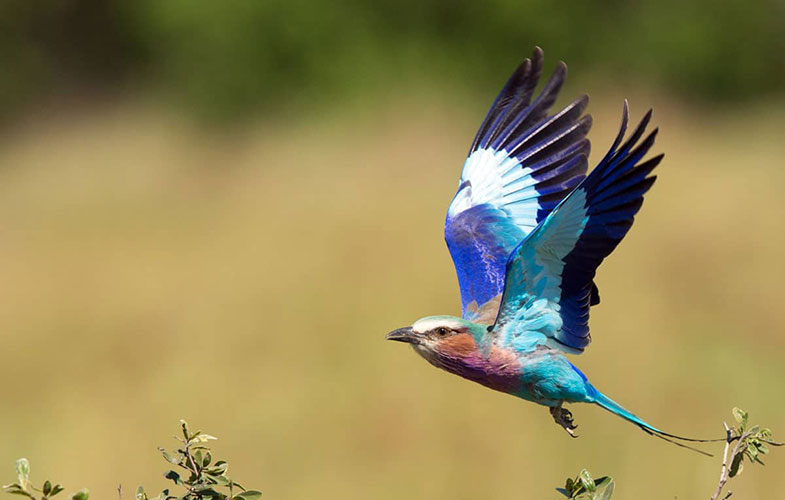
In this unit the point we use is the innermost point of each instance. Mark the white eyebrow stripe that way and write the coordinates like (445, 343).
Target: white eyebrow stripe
(428, 324)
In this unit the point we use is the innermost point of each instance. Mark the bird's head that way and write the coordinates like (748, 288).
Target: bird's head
(439, 337)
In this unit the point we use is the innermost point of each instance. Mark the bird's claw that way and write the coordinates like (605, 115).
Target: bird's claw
(563, 417)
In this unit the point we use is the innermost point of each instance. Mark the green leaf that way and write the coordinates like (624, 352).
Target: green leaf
(184, 428)
(736, 466)
(207, 491)
(56, 489)
(162, 496)
(587, 481)
(201, 488)
(573, 486)
(47, 487)
(218, 469)
(21, 492)
(82, 494)
(207, 459)
(249, 495)
(23, 472)
(606, 493)
(741, 416)
(172, 459)
(220, 480)
(174, 476)
(203, 438)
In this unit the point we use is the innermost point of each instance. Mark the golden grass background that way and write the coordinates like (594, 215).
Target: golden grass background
(244, 280)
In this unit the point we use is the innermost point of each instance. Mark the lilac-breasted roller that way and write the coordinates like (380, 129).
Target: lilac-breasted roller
(527, 230)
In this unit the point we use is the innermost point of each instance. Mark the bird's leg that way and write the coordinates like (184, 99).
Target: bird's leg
(563, 417)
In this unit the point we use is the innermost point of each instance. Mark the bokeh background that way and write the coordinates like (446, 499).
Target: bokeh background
(215, 210)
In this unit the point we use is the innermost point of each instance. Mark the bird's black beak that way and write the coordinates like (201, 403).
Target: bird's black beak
(403, 335)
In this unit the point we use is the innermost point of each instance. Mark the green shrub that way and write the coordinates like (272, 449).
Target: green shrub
(198, 477)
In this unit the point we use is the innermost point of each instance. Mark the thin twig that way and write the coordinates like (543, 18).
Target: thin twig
(724, 471)
(725, 474)
(195, 470)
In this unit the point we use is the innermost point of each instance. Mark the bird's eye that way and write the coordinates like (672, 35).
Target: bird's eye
(442, 331)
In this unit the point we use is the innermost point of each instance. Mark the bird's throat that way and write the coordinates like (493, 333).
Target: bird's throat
(490, 366)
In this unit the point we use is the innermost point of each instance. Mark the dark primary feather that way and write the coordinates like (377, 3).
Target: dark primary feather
(614, 194)
(518, 88)
(549, 277)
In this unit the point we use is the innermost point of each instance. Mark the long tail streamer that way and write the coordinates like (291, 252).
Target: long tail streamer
(617, 409)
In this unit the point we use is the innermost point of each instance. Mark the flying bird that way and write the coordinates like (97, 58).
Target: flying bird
(527, 230)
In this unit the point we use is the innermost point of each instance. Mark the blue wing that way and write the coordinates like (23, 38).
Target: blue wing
(549, 275)
(520, 166)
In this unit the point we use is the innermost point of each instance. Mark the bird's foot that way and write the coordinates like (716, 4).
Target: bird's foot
(563, 417)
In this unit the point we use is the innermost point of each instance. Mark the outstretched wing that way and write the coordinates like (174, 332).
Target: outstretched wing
(549, 275)
(520, 166)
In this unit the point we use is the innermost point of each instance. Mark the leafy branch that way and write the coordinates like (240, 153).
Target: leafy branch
(200, 478)
(584, 487)
(750, 444)
(24, 487)
(204, 479)
(743, 443)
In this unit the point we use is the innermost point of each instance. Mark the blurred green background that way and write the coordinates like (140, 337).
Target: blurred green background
(214, 211)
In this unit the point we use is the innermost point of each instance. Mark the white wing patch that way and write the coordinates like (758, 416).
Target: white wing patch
(493, 177)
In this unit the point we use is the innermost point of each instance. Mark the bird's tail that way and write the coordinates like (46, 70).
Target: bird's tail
(617, 409)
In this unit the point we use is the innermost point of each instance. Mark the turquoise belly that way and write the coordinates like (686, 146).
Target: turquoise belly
(549, 379)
